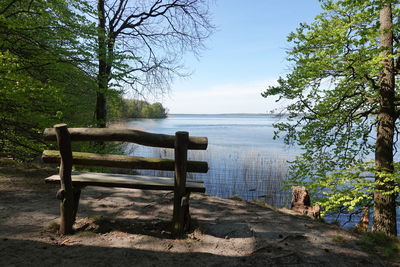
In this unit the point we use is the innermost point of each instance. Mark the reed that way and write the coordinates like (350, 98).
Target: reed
(249, 173)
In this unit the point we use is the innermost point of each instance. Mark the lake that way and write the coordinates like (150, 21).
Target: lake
(244, 159)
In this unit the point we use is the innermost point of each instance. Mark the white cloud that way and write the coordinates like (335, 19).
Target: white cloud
(222, 98)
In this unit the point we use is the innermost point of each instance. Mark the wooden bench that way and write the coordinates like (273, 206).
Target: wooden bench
(72, 182)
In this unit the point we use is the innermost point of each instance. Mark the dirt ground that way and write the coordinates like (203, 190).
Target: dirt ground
(123, 227)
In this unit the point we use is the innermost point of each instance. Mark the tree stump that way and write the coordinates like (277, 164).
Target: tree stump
(300, 196)
(363, 224)
(301, 203)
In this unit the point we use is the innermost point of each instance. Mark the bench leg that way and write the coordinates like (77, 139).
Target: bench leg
(181, 218)
(77, 195)
(66, 212)
(186, 212)
(68, 209)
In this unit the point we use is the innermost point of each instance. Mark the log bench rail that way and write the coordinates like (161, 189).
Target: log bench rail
(71, 183)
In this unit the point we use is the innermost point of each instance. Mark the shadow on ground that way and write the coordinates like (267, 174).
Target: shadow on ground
(123, 227)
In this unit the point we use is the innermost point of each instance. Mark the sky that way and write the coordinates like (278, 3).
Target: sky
(245, 54)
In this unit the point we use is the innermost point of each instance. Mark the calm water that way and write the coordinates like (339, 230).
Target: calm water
(230, 131)
(243, 157)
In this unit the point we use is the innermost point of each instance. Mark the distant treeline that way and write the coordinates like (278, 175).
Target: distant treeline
(131, 108)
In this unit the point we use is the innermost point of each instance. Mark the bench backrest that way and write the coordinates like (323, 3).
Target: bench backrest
(181, 142)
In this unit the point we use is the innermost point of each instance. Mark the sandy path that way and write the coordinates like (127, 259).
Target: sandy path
(123, 227)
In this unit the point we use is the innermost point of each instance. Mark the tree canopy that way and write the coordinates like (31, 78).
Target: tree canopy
(343, 106)
(140, 45)
(42, 70)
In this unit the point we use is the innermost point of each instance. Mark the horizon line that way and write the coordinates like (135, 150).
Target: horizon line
(225, 114)
(233, 113)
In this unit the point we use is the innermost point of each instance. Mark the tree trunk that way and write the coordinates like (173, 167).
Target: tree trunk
(102, 77)
(101, 110)
(385, 204)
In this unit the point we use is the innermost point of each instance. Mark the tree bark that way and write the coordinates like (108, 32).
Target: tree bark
(101, 110)
(384, 203)
(102, 77)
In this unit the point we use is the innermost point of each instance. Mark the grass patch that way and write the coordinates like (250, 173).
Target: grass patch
(338, 239)
(386, 246)
(54, 227)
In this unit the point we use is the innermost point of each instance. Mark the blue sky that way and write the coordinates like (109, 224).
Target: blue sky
(245, 55)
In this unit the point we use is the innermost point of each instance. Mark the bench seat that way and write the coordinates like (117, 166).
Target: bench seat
(126, 181)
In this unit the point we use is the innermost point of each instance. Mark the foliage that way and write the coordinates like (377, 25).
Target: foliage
(121, 108)
(333, 90)
(42, 72)
(155, 110)
(350, 188)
